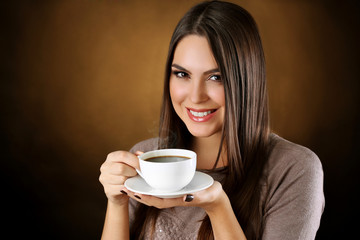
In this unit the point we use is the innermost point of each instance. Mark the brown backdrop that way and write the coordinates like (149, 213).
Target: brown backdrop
(82, 78)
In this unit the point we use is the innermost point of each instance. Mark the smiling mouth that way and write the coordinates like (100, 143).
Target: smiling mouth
(202, 115)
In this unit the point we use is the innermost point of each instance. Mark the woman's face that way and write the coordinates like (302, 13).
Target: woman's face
(196, 87)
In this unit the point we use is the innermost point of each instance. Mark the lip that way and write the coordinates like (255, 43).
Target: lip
(201, 119)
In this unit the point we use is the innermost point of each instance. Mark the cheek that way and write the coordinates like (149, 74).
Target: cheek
(178, 92)
(217, 94)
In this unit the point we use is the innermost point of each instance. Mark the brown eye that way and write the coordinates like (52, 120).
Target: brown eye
(180, 74)
(216, 78)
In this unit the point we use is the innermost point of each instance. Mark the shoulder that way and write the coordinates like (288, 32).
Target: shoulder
(287, 156)
(291, 164)
(145, 145)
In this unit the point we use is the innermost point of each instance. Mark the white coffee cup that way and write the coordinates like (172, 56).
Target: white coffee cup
(167, 170)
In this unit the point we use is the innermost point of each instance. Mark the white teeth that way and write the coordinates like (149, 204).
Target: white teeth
(199, 114)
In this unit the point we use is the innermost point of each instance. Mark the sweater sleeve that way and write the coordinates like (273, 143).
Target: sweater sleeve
(294, 199)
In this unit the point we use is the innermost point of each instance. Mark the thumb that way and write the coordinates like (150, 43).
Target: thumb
(188, 198)
(138, 153)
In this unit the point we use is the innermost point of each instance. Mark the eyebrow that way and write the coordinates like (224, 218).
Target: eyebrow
(215, 70)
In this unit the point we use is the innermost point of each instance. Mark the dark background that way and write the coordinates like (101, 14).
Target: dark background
(82, 78)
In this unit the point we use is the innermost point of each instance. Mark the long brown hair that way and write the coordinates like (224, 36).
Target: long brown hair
(236, 45)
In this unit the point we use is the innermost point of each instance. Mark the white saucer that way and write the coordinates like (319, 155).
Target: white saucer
(200, 182)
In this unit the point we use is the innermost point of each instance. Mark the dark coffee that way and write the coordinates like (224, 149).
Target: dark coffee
(167, 159)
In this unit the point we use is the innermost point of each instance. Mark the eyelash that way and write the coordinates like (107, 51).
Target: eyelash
(218, 78)
(186, 75)
(177, 74)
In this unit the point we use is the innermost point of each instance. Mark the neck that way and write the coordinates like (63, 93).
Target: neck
(207, 150)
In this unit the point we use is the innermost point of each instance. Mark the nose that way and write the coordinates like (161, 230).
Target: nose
(198, 93)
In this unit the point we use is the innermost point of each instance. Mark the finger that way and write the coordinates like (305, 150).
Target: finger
(188, 198)
(135, 196)
(159, 203)
(113, 190)
(123, 190)
(205, 197)
(121, 169)
(113, 179)
(123, 157)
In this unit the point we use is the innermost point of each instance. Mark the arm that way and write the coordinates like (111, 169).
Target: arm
(116, 224)
(223, 220)
(114, 171)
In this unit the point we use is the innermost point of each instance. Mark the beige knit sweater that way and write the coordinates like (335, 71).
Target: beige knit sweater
(292, 197)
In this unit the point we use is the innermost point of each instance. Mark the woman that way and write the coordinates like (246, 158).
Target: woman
(215, 103)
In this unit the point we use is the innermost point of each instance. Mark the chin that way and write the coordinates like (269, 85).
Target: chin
(202, 133)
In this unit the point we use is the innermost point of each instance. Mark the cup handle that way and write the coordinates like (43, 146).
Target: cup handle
(138, 171)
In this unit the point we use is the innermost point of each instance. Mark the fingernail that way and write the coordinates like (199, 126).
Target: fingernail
(123, 192)
(137, 196)
(189, 198)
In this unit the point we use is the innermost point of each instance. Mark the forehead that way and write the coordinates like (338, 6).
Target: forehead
(194, 52)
